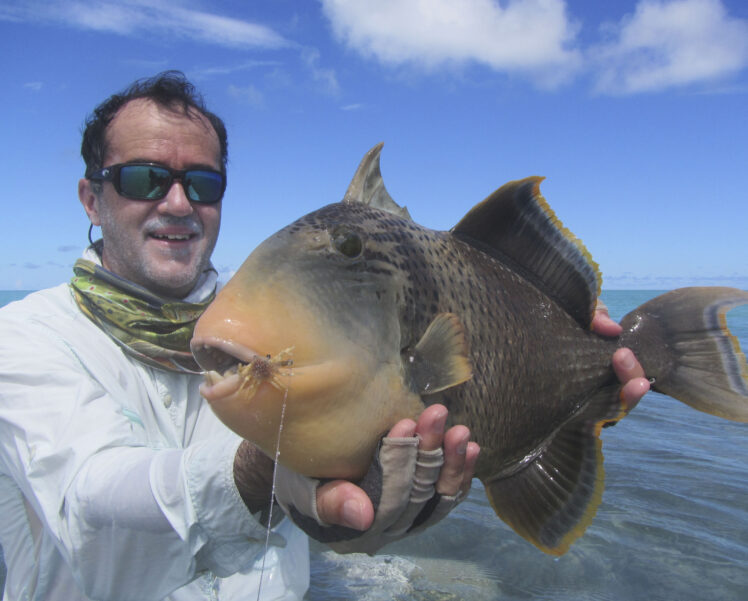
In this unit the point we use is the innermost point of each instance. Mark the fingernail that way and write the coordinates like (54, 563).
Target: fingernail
(351, 514)
(628, 361)
(462, 447)
(438, 425)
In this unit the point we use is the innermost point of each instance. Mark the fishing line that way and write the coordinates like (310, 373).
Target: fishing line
(272, 493)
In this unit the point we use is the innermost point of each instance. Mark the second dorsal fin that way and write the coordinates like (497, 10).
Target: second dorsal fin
(516, 224)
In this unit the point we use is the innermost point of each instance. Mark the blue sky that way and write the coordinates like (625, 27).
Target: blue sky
(635, 111)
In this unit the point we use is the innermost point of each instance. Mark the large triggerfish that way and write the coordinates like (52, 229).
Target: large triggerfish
(355, 317)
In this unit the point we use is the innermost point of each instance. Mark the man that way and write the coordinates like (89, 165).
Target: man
(116, 480)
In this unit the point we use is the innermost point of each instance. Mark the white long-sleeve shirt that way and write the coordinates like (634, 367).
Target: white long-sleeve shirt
(116, 479)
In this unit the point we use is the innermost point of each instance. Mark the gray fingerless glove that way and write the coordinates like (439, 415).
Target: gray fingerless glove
(400, 483)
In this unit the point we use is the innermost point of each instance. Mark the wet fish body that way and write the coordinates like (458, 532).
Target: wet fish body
(492, 319)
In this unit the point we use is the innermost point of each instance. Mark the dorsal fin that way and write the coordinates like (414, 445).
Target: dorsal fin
(516, 225)
(367, 186)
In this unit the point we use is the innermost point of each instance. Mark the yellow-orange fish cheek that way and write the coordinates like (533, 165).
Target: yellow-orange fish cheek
(336, 415)
(321, 381)
(328, 415)
(342, 392)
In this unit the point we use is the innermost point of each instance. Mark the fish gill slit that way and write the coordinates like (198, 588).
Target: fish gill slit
(288, 363)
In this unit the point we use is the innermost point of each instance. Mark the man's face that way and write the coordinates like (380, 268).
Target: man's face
(163, 245)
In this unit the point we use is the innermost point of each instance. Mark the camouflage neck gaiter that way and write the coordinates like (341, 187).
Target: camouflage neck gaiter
(153, 329)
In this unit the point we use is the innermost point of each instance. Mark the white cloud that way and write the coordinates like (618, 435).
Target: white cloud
(249, 94)
(662, 44)
(324, 77)
(224, 30)
(529, 36)
(668, 43)
(13, 12)
(138, 17)
(246, 65)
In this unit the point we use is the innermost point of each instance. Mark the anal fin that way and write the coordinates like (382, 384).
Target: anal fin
(553, 497)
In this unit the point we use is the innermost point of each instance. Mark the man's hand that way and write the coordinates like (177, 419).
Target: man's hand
(627, 368)
(345, 504)
(342, 503)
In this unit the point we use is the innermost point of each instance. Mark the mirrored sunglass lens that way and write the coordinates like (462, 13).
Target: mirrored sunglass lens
(144, 181)
(203, 186)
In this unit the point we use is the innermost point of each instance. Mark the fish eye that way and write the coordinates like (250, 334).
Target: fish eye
(347, 243)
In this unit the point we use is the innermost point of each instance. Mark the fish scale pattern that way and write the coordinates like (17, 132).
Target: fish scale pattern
(529, 356)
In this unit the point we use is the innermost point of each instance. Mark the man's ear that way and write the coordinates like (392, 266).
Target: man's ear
(89, 199)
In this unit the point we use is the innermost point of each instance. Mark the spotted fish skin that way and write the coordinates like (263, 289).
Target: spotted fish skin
(491, 318)
(529, 356)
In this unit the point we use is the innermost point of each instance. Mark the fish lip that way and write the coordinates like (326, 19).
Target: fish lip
(219, 359)
(218, 386)
(213, 353)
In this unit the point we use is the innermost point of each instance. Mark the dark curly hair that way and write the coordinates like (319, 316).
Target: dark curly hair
(169, 89)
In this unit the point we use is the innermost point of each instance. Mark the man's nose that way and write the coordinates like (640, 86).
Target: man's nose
(176, 202)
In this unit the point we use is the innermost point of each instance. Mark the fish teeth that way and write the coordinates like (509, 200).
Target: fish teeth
(212, 377)
(231, 370)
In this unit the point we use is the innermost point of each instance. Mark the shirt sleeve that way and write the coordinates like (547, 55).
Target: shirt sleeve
(133, 520)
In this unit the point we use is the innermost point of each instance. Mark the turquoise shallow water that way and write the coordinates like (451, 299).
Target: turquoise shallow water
(7, 296)
(673, 524)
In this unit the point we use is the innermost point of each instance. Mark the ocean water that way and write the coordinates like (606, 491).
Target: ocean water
(673, 524)
(7, 296)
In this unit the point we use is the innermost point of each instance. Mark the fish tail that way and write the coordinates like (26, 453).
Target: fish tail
(682, 341)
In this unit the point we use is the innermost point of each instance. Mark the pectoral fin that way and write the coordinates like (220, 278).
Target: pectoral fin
(440, 359)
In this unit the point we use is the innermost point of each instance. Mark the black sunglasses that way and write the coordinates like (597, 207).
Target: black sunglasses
(151, 181)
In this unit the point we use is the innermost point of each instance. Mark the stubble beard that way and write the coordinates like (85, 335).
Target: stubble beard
(169, 273)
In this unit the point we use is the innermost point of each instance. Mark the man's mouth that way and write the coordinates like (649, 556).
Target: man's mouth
(173, 231)
(173, 237)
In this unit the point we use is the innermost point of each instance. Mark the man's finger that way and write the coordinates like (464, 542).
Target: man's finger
(630, 372)
(471, 458)
(626, 365)
(603, 324)
(430, 427)
(451, 476)
(633, 391)
(405, 428)
(342, 503)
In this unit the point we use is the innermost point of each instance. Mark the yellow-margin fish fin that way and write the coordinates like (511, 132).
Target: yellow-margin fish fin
(516, 225)
(552, 496)
(682, 340)
(440, 359)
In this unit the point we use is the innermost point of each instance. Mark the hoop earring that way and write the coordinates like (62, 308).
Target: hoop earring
(90, 229)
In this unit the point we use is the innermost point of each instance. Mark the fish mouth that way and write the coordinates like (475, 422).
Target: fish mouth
(219, 354)
(221, 360)
(235, 371)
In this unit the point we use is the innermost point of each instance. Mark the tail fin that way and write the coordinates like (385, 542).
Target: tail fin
(682, 341)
